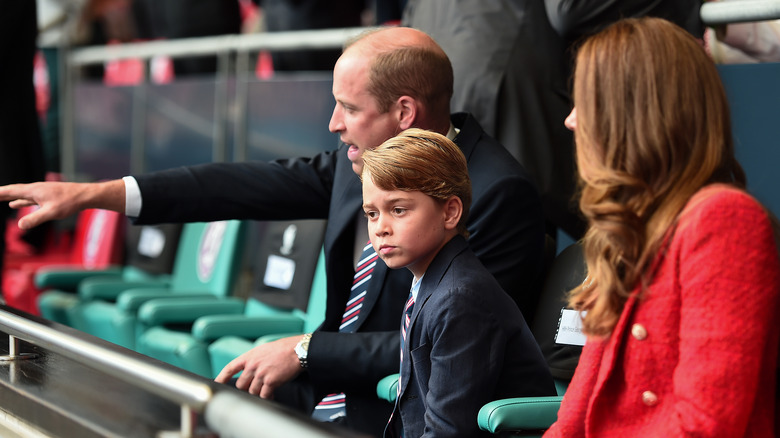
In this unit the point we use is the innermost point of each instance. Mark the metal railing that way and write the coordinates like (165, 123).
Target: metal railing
(193, 395)
(233, 54)
(717, 13)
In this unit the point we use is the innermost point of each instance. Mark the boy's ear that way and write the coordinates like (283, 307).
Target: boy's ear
(407, 108)
(453, 209)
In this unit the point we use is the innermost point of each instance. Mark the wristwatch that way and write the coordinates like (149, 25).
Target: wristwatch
(302, 350)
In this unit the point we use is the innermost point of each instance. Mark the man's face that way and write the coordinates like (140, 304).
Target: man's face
(356, 116)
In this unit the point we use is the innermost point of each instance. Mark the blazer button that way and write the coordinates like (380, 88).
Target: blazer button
(649, 398)
(639, 332)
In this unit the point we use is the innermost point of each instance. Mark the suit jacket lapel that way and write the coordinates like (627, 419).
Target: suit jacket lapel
(431, 280)
(346, 202)
(469, 135)
(614, 347)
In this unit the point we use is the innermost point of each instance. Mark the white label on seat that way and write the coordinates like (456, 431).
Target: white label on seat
(152, 242)
(279, 272)
(570, 328)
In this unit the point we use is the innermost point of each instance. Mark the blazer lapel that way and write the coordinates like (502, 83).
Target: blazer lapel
(431, 280)
(613, 348)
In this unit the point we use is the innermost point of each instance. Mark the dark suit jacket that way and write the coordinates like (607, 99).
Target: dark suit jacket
(506, 225)
(466, 345)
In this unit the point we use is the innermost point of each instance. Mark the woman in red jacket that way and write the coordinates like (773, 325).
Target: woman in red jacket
(681, 302)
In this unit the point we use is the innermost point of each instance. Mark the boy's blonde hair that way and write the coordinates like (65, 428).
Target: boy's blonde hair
(417, 160)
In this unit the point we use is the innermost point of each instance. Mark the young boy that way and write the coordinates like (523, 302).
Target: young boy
(463, 340)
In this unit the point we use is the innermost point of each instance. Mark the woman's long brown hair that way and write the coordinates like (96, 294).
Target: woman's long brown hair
(653, 127)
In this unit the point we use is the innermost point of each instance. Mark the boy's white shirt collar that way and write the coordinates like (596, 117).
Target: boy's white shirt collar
(416, 287)
(452, 132)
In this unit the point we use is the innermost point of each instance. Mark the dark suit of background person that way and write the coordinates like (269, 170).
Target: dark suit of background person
(506, 226)
(574, 19)
(460, 308)
(291, 15)
(510, 72)
(173, 19)
(21, 152)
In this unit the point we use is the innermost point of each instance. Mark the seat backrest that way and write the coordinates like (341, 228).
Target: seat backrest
(555, 324)
(99, 238)
(151, 249)
(208, 257)
(315, 310)
(286, 258)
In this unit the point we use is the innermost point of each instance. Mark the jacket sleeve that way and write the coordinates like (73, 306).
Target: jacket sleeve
(730, 280)
(298, 188)
(573, 19)
(353, 362)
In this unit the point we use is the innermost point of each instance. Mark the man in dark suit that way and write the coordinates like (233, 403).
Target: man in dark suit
(385, 82)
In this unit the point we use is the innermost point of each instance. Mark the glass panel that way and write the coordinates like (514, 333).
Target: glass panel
(180, 123)
(288, 116)
(754, 98)
(102, 127)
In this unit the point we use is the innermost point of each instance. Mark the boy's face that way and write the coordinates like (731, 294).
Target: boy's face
(356, 116)
(406, 229)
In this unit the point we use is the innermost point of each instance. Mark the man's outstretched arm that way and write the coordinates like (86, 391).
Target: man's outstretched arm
(58, 200)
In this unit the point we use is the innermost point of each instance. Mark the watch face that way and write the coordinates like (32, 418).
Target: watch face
(302, 348)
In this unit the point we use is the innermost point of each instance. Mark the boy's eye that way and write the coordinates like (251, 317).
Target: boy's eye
(370, 214)
(399, 210)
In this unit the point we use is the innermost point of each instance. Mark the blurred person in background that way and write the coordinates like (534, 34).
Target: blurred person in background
(21, 151)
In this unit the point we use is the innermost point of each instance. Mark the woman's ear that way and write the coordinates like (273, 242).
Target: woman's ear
(453, 210)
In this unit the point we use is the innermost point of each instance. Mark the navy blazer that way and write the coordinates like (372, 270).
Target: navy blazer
(506, 225)
(466, 345)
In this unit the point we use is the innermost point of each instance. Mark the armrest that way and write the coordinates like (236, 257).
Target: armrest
(131, 299)
(212, 327)
(108, 289)
(177, 310)
(68, 279)
(387, 388)
(521, 413)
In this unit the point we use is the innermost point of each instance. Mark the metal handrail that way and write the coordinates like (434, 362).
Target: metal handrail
(717, 13)
(712, 13)
(292, 40)
(228, 413)
(189, 393)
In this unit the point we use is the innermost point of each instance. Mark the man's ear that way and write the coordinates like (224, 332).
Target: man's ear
(408, 108)
(453, 210)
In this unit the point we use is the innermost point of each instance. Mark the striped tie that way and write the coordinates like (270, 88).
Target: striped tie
(333, 405)
(407, 318)
(365, 268)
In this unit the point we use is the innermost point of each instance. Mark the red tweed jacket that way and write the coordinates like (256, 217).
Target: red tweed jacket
(696, 355)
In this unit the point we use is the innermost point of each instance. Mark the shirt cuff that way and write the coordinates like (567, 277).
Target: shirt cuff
(132, 197)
